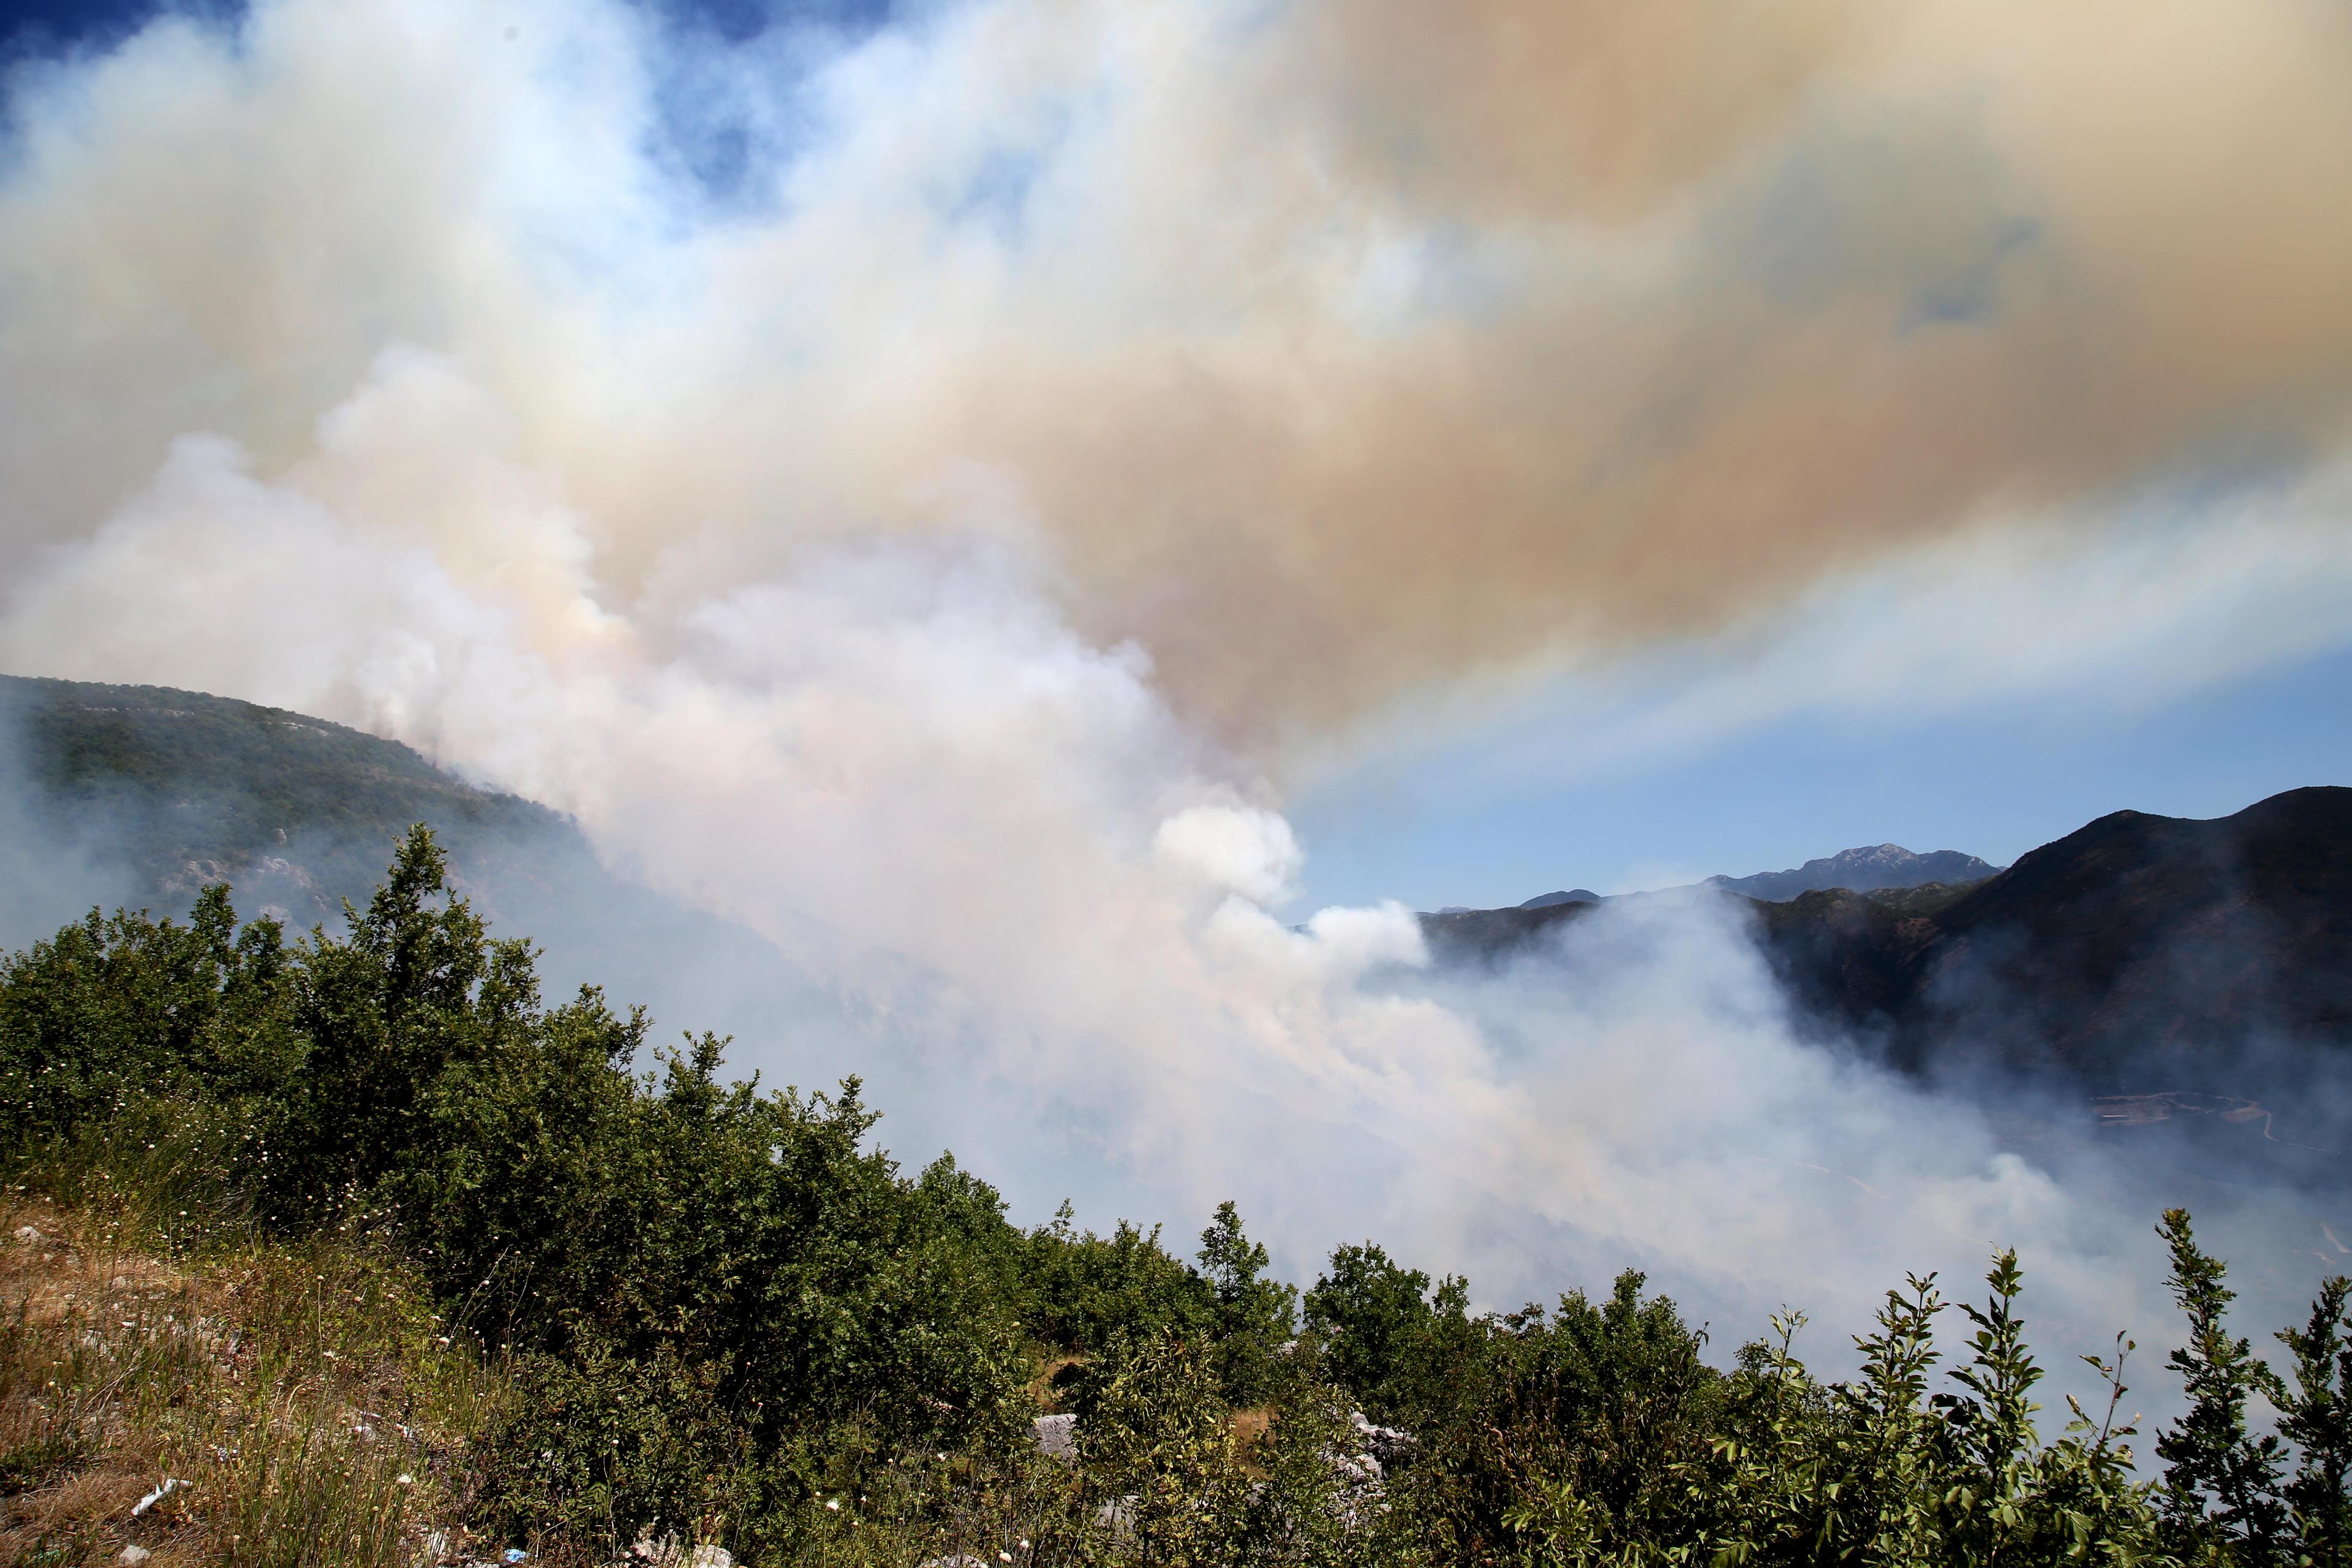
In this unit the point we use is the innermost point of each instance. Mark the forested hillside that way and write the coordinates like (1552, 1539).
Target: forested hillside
(188, 789)
(143, 795)
(381, 1255)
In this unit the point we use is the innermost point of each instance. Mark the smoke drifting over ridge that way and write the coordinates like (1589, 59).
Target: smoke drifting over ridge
(939, 551)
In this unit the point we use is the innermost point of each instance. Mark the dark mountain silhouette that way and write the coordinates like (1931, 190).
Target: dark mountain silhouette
(1863, 870)
(2138, 955)
(2140, 941)
(1572, 896)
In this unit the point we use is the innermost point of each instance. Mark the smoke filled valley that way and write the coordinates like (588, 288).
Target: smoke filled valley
(778, 779)
(663, 1309)
(2143, 969)
(2139, 950)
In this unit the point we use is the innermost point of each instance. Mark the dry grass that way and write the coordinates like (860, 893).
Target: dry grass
(1043, 1391)
(1251, 1427)
(313, 1409)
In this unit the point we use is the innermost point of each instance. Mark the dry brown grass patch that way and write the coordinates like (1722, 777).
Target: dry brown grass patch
(1044, 1392)
(1250, 1428)
(319, 1413)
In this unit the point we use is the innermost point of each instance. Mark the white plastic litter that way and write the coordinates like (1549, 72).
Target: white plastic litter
(671, 1553)
(171, 1484)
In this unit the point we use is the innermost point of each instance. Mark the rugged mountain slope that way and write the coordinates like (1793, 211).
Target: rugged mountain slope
(1493, 936)
(300, 813)
(2142, 940)
(1863, 870)
(2138, 954)
(140, 795)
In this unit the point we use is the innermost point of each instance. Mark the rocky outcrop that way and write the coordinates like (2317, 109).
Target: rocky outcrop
(1863, 870)
(1057, 1437)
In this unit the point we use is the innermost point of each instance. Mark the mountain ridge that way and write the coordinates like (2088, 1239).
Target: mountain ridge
(297, 811)
(141, 795)
(2136, 946)
(1865, 870)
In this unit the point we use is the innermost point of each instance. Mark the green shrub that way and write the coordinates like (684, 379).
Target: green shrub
(728, 1316)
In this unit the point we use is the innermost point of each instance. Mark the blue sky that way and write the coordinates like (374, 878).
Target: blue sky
(1995, 783)
(68, 21)
(63, 22)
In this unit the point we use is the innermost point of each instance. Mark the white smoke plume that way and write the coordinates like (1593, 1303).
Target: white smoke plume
(942, 555)
(1046, 909)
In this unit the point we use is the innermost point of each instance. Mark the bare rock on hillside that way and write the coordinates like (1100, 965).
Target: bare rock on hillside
(1057, 1437)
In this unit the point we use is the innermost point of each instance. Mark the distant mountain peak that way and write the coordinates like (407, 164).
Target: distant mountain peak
(1865, 870)
(1572, 896)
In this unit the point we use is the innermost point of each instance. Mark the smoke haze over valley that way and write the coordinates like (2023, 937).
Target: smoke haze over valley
(1729, 1094)
(899, 535)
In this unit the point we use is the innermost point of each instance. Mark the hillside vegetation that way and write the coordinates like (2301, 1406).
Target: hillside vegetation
(192, 788)
(150, 793)
(387, 1258)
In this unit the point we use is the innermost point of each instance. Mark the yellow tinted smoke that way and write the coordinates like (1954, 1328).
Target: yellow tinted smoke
(1332, 357)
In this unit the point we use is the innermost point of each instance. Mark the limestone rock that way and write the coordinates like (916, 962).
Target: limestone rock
(1057, 1437)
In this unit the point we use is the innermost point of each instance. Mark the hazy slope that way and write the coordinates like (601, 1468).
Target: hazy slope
(183, 788)
(140, 795)
(2141, 944)
(2138, 954)
(1863, 870)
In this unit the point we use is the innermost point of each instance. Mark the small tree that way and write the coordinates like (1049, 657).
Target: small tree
(1254, 1315)
(2222, 1483)
(1156, 1443)
(2318, 1420)
(1382, 1327)
(1890, 1450)
(1989, 1434)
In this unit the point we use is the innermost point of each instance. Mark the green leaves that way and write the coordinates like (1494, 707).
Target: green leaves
(1253, 1315)
(1875, 1471)
(1388, 1336)
(2315, 1416)
(731, 1315)
(2221, 1498)
(734, 1267)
